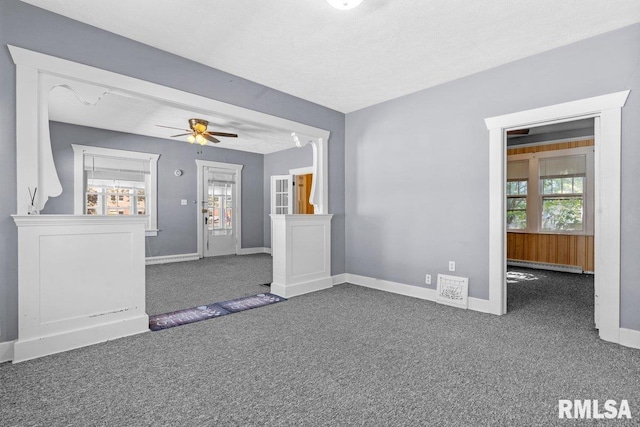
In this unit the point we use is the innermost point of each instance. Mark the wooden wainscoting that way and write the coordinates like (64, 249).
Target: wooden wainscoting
(566, 249)
(552, 147)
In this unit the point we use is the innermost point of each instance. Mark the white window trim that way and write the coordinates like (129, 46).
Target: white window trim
(534, 197)
(79, 152)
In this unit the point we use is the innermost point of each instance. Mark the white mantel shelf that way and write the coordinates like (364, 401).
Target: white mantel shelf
(301, 250)
(81, 281)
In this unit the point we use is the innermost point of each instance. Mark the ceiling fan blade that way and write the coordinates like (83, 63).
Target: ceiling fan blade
(171, 127)
(210, 138)
(228, 135)
(180, 134)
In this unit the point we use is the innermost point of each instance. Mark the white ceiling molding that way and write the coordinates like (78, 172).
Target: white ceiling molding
(37, 74)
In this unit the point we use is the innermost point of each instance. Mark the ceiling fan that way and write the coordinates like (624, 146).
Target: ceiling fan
(198, 132)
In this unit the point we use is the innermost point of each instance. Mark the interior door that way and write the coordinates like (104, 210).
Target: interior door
(303, 194)
(282, 194)
(219, 213)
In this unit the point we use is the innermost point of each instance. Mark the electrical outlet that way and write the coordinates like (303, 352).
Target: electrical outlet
(183, 202)
(452, 266)
(427, 279)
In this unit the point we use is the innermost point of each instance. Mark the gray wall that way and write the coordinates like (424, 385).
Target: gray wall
(177, 223)
(417, 177)
(29, 27)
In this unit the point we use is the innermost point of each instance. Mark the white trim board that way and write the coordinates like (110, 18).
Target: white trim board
(251, 251)
(630, 338)
(428, 294)
(606, 111)
(339, 279)
(6, 351)
(166, 259)
(34, 159)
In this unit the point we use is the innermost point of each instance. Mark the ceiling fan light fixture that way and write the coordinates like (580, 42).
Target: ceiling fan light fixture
(198, 125)
(200, 139)
(191, 139)
(344, 4)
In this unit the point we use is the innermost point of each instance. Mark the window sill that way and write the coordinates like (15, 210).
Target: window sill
(151, 233)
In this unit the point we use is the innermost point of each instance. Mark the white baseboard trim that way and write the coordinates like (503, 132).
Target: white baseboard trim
(6, 351)
(393, 287)
(428, 294)
(339, 279)
(288, 291)
(251, 251)
(630, 338)
(43, 346)
(166, 259)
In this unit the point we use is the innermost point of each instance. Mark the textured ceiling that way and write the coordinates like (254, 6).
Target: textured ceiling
(348, 60)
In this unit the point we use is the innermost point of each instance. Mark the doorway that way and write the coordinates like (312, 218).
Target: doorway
(550, 211)
(219, 212)
(550, 196)
(303, 194)
(606, 111)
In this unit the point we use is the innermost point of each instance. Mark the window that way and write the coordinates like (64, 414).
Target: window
(562, 193)
(550, 191)
(220, 208)
(115, 182)
(517, 180)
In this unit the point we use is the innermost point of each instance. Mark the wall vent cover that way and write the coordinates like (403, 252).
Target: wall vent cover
(453, 290)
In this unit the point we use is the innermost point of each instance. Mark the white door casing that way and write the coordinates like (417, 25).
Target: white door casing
(606, 110)
(220, 219)
(203, 167)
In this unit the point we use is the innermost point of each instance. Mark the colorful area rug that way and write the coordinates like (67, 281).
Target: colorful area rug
(159, 322)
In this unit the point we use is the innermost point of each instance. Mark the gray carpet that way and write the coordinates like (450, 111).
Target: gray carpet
(345, 356)
(180, 285)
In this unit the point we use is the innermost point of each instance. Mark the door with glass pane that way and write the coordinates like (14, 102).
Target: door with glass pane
(219, 213)
(281, 194)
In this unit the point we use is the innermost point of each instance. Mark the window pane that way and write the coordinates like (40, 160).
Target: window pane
(578, 184)
(92, 200)
(565, 213)
(567, 185)
(516, 220)
(517, 213)
(516, 188)
(522, 187)
(514, 203)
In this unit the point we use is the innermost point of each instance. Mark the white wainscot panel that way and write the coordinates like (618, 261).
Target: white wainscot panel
(81, 281)
(301, 250)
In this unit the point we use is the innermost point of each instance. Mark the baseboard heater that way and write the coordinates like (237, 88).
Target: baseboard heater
(545, 266)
